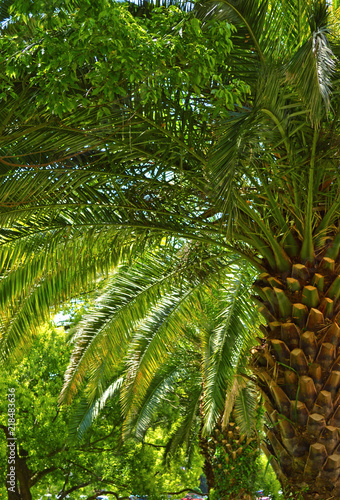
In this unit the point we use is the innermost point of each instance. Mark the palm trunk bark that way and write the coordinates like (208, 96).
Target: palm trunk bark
(230, 463)
(207, 466)
(298, 369)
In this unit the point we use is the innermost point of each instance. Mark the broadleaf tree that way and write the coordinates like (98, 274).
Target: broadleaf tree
(39, 454)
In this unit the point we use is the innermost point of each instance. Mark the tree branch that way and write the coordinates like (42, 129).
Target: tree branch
(155, 445)
(181, 491)
(98, 478)
(74, 488)
(36, 476)
(106, 492)
(97, 440)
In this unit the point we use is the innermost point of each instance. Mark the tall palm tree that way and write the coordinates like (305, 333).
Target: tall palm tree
(275, 170)
(261, 180)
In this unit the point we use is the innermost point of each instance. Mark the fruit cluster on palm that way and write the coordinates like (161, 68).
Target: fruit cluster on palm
(260, 181)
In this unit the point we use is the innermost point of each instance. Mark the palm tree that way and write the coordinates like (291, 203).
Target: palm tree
(274, 167)
(261, 180)
(204, 365)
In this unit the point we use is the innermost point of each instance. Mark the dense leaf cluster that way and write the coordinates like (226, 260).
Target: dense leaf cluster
(98, 53)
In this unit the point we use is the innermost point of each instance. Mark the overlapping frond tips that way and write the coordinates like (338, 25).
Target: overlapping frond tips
(138, 421)
(84, 416)
(143, 312)
(232, 339)
(43, 270)
(188, 427)
(234, 389)
(222, 354)
(4, 9)
(156, 338)
(246, 408)
(249, 16)
(105, 333)
(312, 67)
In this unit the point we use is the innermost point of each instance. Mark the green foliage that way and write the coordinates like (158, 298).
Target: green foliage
(172, 125)
(266, 480)
(233, 479)
(156, 162)
(53, 458)
(124, 53)
(262, 478)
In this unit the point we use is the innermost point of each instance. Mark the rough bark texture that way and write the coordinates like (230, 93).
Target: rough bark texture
(230, 462)
(298, 368)
(11, 495)
(24, 476)
(207, 466)
(21, 475)
(11, 478)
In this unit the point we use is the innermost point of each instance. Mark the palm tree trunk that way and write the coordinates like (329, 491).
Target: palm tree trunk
(298, 369)
(230, 463)
(207, 466)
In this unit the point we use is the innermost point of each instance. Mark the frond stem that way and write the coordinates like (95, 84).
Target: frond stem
(258, 49)
(307, 251)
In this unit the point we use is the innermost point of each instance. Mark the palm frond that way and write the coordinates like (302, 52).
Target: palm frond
(312, 66)
(104, 334)
(231, 395)
(137, 420)
(232, 339)
(246, 14)
(155, 340)
(143, 302)
(51, 268)
(188, 427)
(83, 417)
(5, 10)
(246, 407)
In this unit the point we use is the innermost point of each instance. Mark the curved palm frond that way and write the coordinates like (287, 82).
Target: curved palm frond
(140, 155)
(169, 309)
(200, 339)
(230, 344)
(137, 423)
(148, 285)
(246, 408)
(312, 67)
(38, 275)
(258, 174)
(292, 50)
(5, 10)
(83, 417)
(185, 435)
